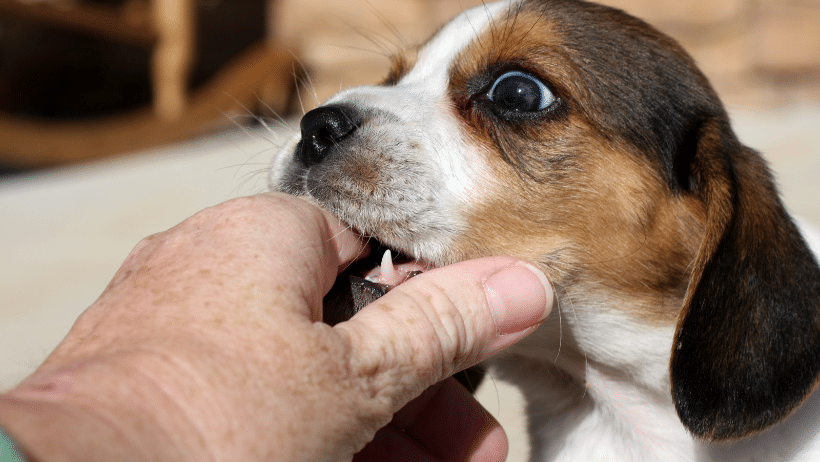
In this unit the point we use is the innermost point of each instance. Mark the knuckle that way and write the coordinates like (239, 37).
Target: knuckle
(437, 328)
(426, 332)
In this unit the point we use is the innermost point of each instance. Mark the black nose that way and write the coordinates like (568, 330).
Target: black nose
(322, 128)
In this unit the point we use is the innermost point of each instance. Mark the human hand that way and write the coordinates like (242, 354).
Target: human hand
(206, 345)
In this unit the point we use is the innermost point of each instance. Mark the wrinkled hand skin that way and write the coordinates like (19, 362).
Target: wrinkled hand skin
(182, 308)
(351, 293)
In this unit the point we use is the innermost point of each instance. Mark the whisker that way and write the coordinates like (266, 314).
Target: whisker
(257, 175)
(472, 26)
(535, 23)
(248, 113)
(303, 77)
(299, 83)
(269, 110)
(383, 50)
(402, 43)
(560, 328)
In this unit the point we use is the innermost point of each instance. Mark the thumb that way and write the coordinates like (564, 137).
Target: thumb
(445, 320)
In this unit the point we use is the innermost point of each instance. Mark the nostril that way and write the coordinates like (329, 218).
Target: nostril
(322, 128)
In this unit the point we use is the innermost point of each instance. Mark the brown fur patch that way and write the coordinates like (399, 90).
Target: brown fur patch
(401, 64)
(565, 194)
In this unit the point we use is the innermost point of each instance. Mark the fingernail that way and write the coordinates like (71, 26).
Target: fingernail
(519, 297)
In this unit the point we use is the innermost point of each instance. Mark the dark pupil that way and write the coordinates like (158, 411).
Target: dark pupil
(518, 93)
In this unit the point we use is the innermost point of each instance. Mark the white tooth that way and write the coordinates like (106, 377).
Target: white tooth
(388, 271)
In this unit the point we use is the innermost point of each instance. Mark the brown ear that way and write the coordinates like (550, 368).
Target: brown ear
(747, 347)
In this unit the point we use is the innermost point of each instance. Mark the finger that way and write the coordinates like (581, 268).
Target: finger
(330, 243)
(307, 246)
(452, 425)
(409, 414)
(445, 320)
(391, 444)
(271, 250)
(444, 423)
(349, 246)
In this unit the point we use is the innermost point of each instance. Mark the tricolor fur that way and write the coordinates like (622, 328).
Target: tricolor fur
(688, 320)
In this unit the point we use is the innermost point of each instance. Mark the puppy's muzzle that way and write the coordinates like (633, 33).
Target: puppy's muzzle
(322, 128)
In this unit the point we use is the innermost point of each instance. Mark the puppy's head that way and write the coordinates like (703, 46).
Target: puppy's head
(577, 137)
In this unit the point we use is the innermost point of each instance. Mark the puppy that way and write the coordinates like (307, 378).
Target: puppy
(582, 139)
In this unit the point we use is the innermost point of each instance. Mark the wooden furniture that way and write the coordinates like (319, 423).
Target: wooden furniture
(262, 72)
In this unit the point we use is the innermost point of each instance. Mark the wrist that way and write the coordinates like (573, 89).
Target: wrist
(9, 452)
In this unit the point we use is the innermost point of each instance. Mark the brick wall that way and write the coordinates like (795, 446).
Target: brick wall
(758, 53)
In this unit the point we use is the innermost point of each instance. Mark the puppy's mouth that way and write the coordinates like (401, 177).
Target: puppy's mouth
(367, 280)
(392, 268)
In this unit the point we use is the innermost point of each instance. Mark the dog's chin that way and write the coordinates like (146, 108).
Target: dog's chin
(387, 263)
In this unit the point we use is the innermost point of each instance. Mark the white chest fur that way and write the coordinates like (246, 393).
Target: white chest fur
(597, 413)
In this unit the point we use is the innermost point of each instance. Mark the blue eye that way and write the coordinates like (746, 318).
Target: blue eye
(517, 91)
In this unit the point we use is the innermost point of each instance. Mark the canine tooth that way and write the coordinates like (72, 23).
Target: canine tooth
(388, 270)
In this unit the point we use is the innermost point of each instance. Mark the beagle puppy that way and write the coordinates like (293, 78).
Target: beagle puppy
(582, 139)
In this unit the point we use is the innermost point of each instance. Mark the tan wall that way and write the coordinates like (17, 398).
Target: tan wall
(758, 53)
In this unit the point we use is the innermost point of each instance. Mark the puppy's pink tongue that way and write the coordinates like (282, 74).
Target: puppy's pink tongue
(392, 275)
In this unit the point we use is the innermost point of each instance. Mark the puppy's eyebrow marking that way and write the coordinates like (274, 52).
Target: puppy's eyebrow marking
(510, 26)
(400, 66)
(534, 23)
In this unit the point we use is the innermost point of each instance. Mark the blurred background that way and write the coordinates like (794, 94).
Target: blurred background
(120, 118)
(758, 53)
(83, 79)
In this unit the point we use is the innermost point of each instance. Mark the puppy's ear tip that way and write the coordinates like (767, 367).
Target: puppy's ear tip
(729, 414)
(741, 364)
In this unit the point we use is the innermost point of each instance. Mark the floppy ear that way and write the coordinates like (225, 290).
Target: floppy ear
(747, 346)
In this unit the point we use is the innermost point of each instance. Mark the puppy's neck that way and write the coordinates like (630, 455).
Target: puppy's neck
(603, 417)
(589, 399)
